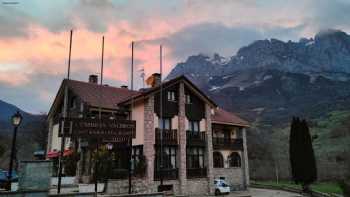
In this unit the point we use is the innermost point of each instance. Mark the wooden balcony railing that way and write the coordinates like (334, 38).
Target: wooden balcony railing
(167, 174)
(196, 173)
(227, 143)
(196, 138)
(169, 136)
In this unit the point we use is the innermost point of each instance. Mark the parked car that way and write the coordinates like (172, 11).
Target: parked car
(221, 187)
(3, 177)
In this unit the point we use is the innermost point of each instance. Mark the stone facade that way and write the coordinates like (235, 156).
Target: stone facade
(209, 149)
(197, 186)
(182, 140)
(245, 158)
(233, 176)
(149, 138)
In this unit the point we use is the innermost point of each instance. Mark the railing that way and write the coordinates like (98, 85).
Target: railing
(220, 142)
(196, 138)
(169, 136)
(196, 172)
(167, 174)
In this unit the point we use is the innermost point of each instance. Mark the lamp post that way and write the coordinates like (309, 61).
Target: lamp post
(16, 120)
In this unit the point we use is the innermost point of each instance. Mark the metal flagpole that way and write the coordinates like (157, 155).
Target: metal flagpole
(132, 106)
(65, 114)
(99, 112)
(161, 114)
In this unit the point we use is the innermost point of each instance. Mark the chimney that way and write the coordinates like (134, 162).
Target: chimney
(154, 80)
(93, 79)
(124, 86)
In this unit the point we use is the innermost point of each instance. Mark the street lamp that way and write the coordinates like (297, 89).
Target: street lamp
(16, 120)
(109, 146)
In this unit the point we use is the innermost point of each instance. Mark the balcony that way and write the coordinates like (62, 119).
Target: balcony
(168, 174)
(196, 173)
(169, 136)
(227, 143)
(196, 138)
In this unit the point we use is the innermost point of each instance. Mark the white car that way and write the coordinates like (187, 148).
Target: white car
(221, 187)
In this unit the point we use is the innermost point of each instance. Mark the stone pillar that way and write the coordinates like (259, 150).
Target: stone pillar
(209, 149)
(245, 158)
(182, 140)
(49, 136)
(149, 139)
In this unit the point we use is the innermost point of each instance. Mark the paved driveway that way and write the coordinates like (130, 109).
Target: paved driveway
(254, 192)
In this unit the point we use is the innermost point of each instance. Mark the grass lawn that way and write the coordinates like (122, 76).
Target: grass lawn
(325, 187)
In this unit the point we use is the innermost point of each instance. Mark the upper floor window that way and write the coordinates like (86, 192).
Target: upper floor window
(165, 123)
(171, 96)
(193, 126)
(187, 99)
(73, 103)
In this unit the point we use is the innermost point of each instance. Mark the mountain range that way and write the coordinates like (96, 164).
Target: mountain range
(270, 81)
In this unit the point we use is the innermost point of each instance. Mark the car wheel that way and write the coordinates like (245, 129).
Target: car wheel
(217, 192)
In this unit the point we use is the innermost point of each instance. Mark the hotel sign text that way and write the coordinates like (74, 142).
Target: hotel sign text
(98, 128)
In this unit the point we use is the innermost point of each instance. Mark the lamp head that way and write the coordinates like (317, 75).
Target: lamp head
(16, 119)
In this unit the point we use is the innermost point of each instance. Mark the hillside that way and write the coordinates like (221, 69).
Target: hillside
(269, 81)
(29, 138)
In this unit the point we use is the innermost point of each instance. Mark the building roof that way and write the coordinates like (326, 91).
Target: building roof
(221, 116)
(169, 83)
(105, 97)
(108, 97)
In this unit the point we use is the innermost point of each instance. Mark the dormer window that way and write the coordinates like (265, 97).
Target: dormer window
(188, 99)
(171, 96)
(73, 103)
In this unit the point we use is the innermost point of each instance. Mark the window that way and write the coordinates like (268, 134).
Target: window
(187, 99)
(171, 96)
(164, 123)
(136, 156)
(195, 157)
(73, 103)
(218, 160)
(193, 126)
(234, 160)
(169, 157)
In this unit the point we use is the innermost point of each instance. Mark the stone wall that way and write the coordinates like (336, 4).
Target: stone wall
(182, 139)
(140, 186)
(137, 186)
(197, 186)
(149, 138)
(233, 176)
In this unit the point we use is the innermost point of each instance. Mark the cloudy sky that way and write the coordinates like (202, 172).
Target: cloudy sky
(34, 36)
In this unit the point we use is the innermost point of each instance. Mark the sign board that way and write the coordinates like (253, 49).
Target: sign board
(98, 128)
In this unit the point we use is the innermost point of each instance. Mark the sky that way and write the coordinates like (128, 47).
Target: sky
(34, 37)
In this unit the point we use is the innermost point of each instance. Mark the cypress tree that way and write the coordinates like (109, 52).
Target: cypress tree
(302, 158)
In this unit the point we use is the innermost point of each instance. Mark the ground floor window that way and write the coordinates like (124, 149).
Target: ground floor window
(169, 157)
(218, 160)
(234, 160)
(195, 157)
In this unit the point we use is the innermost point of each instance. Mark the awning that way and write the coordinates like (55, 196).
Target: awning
(54, 154)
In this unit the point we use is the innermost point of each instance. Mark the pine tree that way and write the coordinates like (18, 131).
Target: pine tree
(301, 154)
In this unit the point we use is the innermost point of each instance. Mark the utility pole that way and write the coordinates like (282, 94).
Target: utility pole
(65, 115)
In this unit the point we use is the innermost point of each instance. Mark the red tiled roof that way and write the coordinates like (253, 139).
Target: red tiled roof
(106, 96)
(225, 117)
